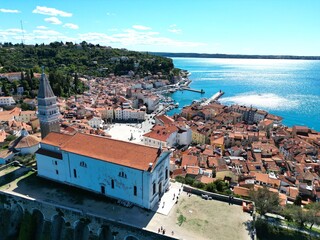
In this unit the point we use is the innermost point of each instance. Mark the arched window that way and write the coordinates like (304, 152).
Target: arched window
(122, 174)
(154, 188)
(135, 190)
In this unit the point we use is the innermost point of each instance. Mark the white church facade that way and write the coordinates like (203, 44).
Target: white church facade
(122, 170)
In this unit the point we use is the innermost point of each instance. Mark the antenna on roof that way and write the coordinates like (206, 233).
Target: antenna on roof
(22, 32)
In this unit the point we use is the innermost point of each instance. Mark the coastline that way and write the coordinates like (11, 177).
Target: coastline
(234, 56)
(279, 87)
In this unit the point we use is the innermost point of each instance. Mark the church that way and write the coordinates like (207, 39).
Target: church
(135, 173)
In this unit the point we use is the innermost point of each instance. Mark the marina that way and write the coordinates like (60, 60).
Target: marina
(214, 97)
(193, 90)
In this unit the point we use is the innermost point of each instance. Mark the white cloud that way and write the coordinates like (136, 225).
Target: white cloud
(47, 32)
(128, 38)
(51, 12)
(71, 26)
(110, 14)
(11, 32)
(41, 27)
(131, 37)
(140, 27)
(173, 28)
(53, 20)
(9, 10)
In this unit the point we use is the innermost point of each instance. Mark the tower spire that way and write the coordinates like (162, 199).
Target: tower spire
(48, 111)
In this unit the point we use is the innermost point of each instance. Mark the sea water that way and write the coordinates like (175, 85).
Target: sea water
(288, 88)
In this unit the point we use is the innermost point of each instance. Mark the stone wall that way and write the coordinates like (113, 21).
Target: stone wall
(32, 219)
(215, 196)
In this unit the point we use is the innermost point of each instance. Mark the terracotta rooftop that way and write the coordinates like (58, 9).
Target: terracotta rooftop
(189, 160)
(25, 142)
(161, 133)
(105, 149)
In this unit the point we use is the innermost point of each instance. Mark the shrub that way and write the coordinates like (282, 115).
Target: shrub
(198, 184)
(180, 179)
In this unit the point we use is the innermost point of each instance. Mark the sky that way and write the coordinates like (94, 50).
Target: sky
(272, 27)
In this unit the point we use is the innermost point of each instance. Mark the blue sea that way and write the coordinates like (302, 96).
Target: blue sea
(288, 88)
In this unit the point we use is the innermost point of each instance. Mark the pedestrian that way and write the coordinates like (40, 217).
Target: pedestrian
(161, 228)
(158, 230)
(172, 232)
(164, 231)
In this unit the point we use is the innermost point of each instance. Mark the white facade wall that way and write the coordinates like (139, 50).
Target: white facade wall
(184, 138)
(108, 178)
(141, 115)
(258, 117)
(170, 141)
(152, 103)
(95, 122)
(118, 114)
(29, 150)
(7, 101)
(110, 114)
(23, 117)
(154, 142)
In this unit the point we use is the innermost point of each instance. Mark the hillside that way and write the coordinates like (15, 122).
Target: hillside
(83, 58)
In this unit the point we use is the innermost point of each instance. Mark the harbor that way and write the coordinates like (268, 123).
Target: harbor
(193, 90)
(214, 97)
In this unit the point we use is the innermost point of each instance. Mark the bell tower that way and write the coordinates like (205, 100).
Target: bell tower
(48, 111)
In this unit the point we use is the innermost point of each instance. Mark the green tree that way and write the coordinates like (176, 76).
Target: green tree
(296, 213)
(313, 215)
(211, 187)
(24, 106)
(298, 200)
(265, 201)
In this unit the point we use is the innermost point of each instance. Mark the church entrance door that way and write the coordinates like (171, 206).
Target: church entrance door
(103, 190)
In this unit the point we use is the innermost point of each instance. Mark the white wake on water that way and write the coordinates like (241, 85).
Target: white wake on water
(268, 101)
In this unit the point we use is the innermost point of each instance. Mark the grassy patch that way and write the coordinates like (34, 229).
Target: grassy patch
(181, 219)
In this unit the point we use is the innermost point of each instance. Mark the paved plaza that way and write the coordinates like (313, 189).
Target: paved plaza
(130, 132)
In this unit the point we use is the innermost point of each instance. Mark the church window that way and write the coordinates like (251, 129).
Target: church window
(83, 164)
(55, 162)
(166, 173)
(135, 190)
(75, 173)
(103, 189)
(154, 188)
(122, 174)
(112, 183)
(57, 172)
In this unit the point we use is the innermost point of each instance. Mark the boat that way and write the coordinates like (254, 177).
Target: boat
(176, 105)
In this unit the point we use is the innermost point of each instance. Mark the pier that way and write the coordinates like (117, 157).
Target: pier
(215, 97)
(193, 90)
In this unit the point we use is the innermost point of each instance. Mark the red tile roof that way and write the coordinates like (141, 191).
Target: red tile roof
(105, 149)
